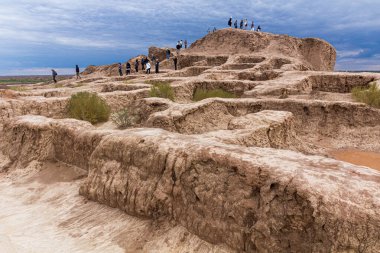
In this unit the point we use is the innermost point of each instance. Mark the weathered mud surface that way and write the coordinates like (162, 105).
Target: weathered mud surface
(249, 174)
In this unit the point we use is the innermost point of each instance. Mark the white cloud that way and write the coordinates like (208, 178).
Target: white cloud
(349, 53)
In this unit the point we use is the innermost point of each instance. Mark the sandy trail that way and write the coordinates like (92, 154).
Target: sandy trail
(357, 157)
(41, 211)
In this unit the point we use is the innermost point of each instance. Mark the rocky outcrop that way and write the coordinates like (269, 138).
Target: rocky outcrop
(315, 54)
(252, 199)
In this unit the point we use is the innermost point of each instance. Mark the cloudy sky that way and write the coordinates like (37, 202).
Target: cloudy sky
(36, 35)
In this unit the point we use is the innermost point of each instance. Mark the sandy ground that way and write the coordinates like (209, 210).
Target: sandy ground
(41, 211)
(357, 157)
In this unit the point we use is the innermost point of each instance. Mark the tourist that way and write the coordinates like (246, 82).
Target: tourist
(214, 30)
(167, 53)
(157, 66)
(230, 22)
(54, 74)
(185, 44)
(245, 24)
(258, 29)
(128, 68)
(235, 24)
(147, 67)
(142, 63)
(120, 69)
(175, 63)
(137, 65)
(77, 71)
(241, 24)
(178, 47)
(252, 26)
(181, 43)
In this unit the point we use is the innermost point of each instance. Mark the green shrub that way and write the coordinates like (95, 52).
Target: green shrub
(88, 106)
(162, 90)
(122, 119)
(201, 94)
(370, 96)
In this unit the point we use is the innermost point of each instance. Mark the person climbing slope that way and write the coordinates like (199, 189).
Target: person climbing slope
(54, 74)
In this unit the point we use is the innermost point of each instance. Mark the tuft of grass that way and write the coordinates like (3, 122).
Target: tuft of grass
(122, 119)
(88, 106)
(162, 90)
(201, 94)
(18, 88)
(370, 95)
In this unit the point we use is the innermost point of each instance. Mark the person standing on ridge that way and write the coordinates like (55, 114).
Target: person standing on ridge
(185, 44)
(128, 68)
(252, 26)
(230, 22)
(120, 69)
(245, 24)
(77, 71)
(54, 74)
(175, 62)
(142, 63)
(157, 66)
(167, 53)
(178, 47)
(241, 24)
(258, 29)
(235, 24)
(147, 67)
(137, 65)
(181, 43)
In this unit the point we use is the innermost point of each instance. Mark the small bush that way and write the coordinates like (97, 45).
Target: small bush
(201, 94)
(88, 106)
(370, 96)
(162, 90)
(122, 119)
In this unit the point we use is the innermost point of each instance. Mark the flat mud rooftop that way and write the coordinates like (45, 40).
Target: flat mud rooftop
(290, 164)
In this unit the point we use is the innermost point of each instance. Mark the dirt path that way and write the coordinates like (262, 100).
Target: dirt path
(363, 158)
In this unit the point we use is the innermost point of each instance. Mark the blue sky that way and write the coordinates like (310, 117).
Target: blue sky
(37, 35)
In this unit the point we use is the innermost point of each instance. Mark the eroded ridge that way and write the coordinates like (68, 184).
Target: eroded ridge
(252, 199)
(250, 173)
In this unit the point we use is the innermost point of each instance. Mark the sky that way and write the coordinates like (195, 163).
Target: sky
(37, 35)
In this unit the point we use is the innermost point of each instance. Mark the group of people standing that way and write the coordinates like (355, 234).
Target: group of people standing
(145, 66)
(243, 24)
(181, 44)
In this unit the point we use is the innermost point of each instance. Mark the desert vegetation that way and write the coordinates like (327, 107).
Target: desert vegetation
(201, 94)
(89, 107)
(122, 119)
(162, 90)
(369, 96)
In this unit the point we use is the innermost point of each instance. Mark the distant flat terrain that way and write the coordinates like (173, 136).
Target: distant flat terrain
(22, 80)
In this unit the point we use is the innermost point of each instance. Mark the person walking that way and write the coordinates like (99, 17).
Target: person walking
(175, 60)
(120, 69)
(137, 65)
(147, 67)
(157, 66)
(54, 74)
(230, 22)
(241, 24)
(77, 71)
(185, 44)
(167, 53)
(128, 68)
(235, 24)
